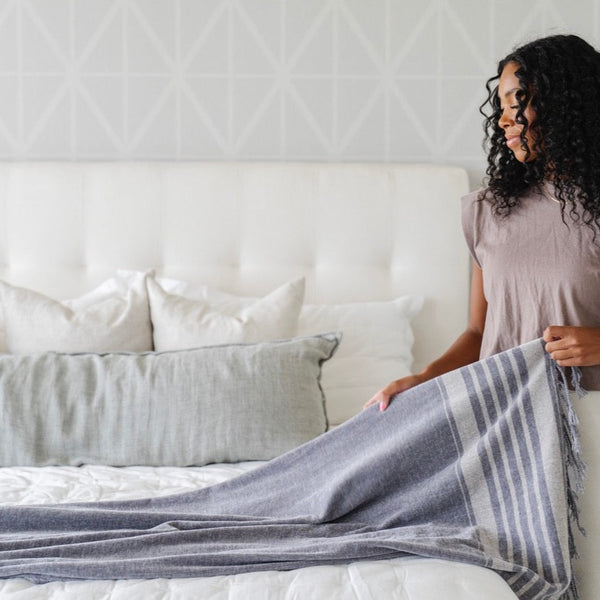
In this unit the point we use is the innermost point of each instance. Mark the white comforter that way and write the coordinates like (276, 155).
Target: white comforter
(402, 579)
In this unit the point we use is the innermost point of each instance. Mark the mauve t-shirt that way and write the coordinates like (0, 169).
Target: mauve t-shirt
(537, 271)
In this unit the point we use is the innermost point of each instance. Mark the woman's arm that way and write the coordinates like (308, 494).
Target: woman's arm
(463, 351)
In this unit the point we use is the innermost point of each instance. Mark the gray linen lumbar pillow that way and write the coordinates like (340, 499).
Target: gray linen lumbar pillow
(223, 403)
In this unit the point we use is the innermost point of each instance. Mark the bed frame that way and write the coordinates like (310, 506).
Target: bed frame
(356, 231)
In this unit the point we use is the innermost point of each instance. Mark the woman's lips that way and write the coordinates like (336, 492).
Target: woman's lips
(513, 140)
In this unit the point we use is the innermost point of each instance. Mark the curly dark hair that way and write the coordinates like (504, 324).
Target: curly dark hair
(560, 80)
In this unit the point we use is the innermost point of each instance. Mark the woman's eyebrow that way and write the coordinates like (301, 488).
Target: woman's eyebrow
(512, 91)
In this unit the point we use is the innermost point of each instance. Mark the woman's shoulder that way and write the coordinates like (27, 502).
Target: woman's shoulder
(474, 196)
(477, 214)
(473, 202)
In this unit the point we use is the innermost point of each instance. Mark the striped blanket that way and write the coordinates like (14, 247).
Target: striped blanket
(479, 465)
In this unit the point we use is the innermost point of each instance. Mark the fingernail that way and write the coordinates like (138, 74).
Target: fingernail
(381, 406)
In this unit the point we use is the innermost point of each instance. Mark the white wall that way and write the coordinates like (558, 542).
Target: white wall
(380, 80)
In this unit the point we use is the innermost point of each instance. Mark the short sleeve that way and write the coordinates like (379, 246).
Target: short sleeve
(470, 223)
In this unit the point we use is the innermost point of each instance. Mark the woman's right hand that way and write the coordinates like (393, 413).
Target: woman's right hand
(464, 351)
(383, 397)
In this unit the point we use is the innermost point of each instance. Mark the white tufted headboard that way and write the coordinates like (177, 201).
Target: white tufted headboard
(356, 231)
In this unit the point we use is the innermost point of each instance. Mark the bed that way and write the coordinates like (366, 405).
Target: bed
(372, 250)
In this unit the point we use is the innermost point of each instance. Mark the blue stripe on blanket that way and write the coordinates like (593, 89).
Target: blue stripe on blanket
(520, 433)
(480, 465)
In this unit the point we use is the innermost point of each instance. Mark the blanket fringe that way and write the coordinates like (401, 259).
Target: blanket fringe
(575, 466)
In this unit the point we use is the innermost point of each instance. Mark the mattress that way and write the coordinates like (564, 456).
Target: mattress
(407, 578)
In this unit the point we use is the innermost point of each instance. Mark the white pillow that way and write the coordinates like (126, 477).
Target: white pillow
(180, 322)
(376, 348)
(112, 317)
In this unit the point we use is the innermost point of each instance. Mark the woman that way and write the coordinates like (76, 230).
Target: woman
(534, 231)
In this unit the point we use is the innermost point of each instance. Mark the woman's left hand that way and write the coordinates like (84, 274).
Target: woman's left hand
(573, 346)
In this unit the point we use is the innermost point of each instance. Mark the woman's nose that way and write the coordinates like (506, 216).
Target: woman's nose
(506, 119)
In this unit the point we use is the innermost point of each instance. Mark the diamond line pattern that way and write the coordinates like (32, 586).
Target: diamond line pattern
(380, 80)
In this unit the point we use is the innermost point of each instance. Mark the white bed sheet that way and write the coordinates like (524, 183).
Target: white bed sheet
(402, 579)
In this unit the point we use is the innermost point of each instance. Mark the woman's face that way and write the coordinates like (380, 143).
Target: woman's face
(508, 88)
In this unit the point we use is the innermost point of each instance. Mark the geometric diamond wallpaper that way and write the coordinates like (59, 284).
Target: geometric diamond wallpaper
(324, 80)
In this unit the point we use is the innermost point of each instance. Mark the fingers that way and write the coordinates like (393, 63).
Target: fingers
(384, 396)
(564, 358)
(374, 400)
(385, 402)
(555, 332)
(573, 346)
(558, 338)
(559, 350)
